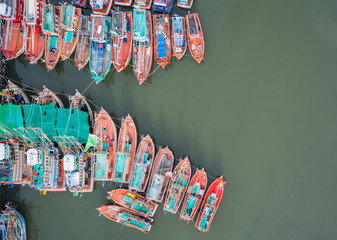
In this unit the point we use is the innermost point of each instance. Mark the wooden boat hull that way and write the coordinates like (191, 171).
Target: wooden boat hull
(78, 101)
(52, 51)
(163, 9)
(195, 37)
(47, 97)
(177, 186)
(160, 175)
(83, 46)
(104, 10)
(14, 225)
(188, 5)
(12, 93)
(179, 43)
(133, 201)
(162, 39)
(146, 4)
(127, 143)
(210, 204)
(34, 43)
(194, 195)
(141, 168)
(123, 2)
(13, 39)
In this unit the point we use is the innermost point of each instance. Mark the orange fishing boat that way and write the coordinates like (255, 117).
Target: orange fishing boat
(12, 38)
(13, 94)
(46, 96)
(179, 43)
(195, 37)
(142, 43)
(127, 143)
(177, 186)
(141, 168)
(121, 39)
(78, 101)
(210, 204)
(105, 130)
(194, 194)
(133, 201)
(123, 2)
(126, 217)
(101, 7)
(160, 175)
(185, 3)
(34, 40)
(146, 4)
(83, 45)
(162, 39)
(69, 23)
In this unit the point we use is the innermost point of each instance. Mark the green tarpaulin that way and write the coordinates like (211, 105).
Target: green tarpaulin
(10, 119)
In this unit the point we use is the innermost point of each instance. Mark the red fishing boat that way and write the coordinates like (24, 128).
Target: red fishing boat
(123, 2)
(162, 39)
(13, 29)
(34, 40)
(146, 4)
(185, 3)
(178, 37)
(127, 143)
(194, 194)
(195, 37)
(177, 186)
(210, 204)
(105, 130)
(141, 168)
(121, 39)
(126, 217)
(101, 7)
(83, 45)
(133, 201)
(69, 23)
(80, 3)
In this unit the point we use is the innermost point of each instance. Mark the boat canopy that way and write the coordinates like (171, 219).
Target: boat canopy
(48, 19)
(11, 119)
(69, 162)
(68, 17)
(34, 156)
(178, 27)
(193, 26)
(98, 4)
(5, 151)
(100, 28)
(119, 23)
(84, 25)
(31, 11)
(140, 27)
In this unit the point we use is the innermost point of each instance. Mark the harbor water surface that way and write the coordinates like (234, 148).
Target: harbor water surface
(261, 110)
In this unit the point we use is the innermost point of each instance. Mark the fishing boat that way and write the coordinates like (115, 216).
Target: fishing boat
(123, 2)
(160, 175)
(126, 217)
(101, 7)
(103, 158)
(69, 23)
(141, 168)
(127, 143)
(194, 195)
(179, 44)
(177, 186)
(145, 4)
(78, 101)
(210, 204)
(133, 201)
(162, 39)
(100, 50)
(13, 94)
(164, 6)
(142, 43)
(50, 27)
(12, 39)
(12, 224)
(80, 3)
(121, 39)
(185, 3)
(195, 37)
(46, 96)
(83, 45)
(34, 40)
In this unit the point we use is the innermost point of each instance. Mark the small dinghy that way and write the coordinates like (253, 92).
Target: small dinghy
(162, 39)
(69, 23)
(163, 6)
(13, 94)
(194, 195)
(133, 201)
(185, 3)
(160, 175)
(78, 101)
(101, 7)
(46, 96)
(141, 168)
(210, 204)
(178, 186)
(121, 39)
(123, 2)
(142, 43)
(83, 45)
(195, 37)
(146, 4)
(179, 43)
(34, 40)
(127, 143)
(126, 217)
(100, 50)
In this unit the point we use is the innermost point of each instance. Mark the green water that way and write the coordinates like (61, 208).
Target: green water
(261, 110)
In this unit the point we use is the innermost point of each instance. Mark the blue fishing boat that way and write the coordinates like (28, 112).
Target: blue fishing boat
(101, 47)
(12, 225)
(163, 6)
